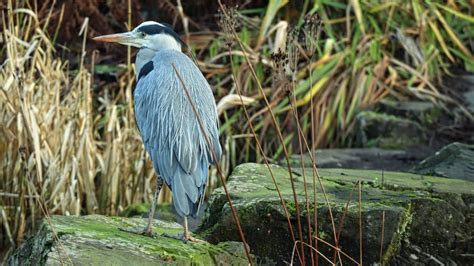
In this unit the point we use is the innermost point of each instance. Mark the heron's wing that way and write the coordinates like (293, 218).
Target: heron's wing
(170, 129)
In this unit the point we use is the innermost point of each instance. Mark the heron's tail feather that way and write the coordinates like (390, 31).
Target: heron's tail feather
(187, 184)
(187, 194)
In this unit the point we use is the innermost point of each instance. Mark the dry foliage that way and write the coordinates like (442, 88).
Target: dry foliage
(61, 145)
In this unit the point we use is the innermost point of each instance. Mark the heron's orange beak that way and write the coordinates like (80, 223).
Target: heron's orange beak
(126, 38)
(118, 37)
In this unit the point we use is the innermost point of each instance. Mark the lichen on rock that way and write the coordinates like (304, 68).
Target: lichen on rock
(407, 202)
(455, 160)
(97, 240)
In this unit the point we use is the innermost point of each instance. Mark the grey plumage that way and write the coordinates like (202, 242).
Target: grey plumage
(165, 117)
(169, 127)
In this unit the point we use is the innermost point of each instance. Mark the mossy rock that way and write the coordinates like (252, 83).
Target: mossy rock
(429, 216)
(425, 113)
(455, 160)
(97, 240)
(388, 131)
(163, 212)
(361, 158)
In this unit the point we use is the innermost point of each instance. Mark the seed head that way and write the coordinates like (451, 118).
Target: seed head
(312, 27)
(292, 50)
(228, 22)
(281, 79)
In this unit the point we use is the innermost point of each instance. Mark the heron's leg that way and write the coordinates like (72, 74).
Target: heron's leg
(187, 235)
(151, 213)
(148, 230)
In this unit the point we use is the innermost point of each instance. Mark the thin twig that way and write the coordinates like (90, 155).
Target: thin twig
(336, 248)
(360, 224)
(312, 248)
(308, 216)
(341, 223)
(382, 237)
(280, 136)
(259, 146)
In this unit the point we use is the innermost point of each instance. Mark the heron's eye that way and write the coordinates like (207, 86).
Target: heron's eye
(142, 34)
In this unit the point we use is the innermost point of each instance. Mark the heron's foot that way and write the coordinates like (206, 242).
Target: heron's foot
(193, 239)
(140, 231)
(184, 238)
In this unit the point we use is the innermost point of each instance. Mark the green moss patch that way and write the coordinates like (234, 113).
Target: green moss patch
(406, 201)
(96, 239)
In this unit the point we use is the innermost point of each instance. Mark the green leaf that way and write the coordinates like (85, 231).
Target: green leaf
(272, 9)
(358, 13)
(457, 13)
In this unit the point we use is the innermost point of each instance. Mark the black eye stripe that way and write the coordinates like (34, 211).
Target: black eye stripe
(157, 29)
(151, 29)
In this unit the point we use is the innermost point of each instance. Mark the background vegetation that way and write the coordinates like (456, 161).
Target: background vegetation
(68, 141)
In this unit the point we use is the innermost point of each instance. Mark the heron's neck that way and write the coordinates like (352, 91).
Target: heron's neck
(144, 56)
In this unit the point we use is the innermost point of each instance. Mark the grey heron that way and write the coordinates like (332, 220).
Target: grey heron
(168, 125)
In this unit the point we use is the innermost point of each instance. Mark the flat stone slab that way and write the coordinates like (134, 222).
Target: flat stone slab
(362, 158)
(426, 219)
(424, 113)
(388, 131)
(455, 160)
(96, 240)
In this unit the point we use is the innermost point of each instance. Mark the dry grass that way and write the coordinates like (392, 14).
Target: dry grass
(61, 144)
(66, 146)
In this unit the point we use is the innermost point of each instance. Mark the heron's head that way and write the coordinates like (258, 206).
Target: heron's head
(150, 34)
